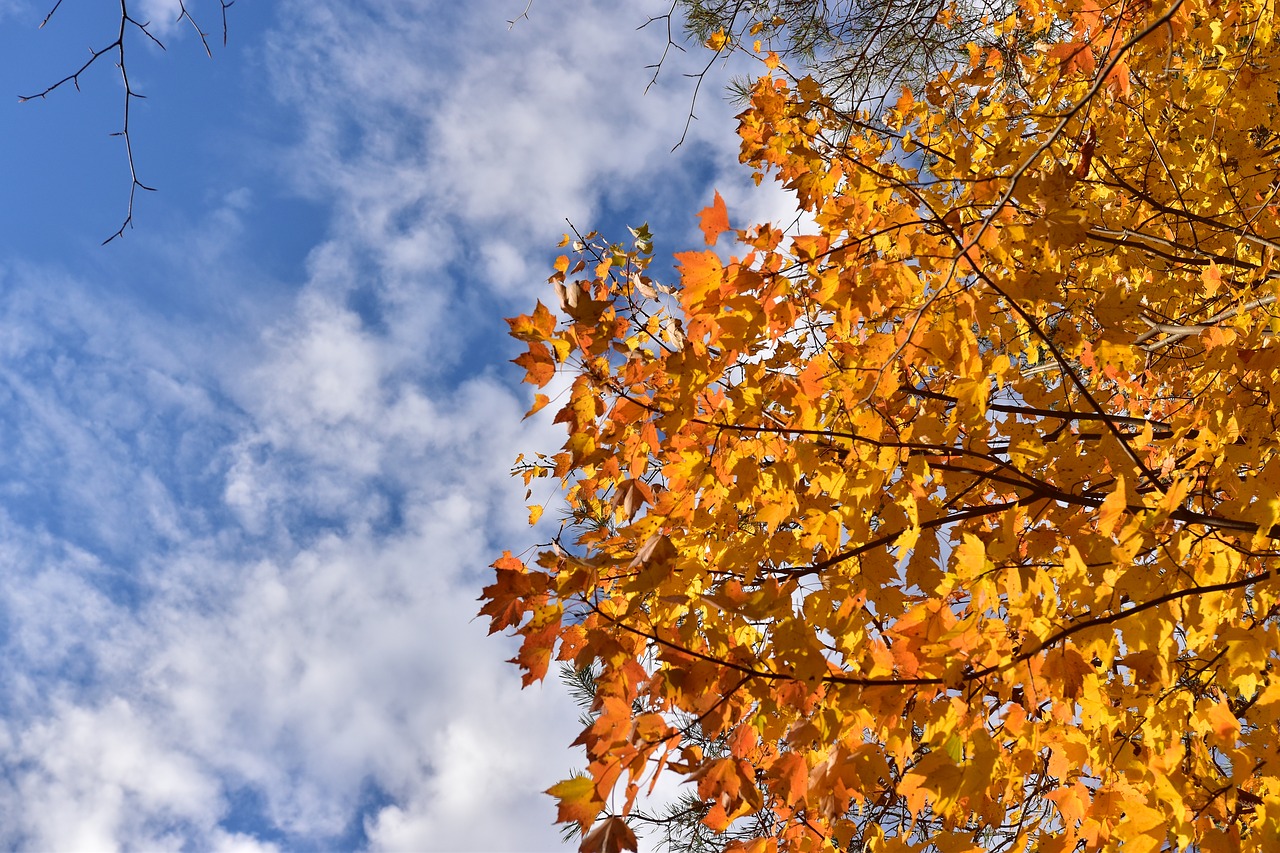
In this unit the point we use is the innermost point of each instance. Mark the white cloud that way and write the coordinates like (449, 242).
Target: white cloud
(100, 775)
(279, 532)
(358, 659)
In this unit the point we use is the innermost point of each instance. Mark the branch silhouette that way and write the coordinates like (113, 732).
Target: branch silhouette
(118, 48)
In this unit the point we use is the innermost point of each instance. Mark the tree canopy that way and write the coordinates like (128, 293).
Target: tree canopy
(854, 51)
(952, 519)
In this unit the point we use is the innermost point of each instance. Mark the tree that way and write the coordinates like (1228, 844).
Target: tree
(953, 518)
(116, 49)
(855, 52)
(676, 824)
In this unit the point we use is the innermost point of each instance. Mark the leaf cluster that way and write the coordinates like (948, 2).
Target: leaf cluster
(856, 52)
(948, 523)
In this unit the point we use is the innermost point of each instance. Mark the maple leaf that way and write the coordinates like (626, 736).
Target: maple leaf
(718, 40)
(955, 504)
(535, 652)
(540, 401)
(789, 774)
(714, 220)
(612, 835)
(700, 274)
(539, 366)
(505, 598)
(1068, 668)
(1113, 508)
(577, 798)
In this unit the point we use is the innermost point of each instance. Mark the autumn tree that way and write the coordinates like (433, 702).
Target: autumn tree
(856, 52)
(951, 520)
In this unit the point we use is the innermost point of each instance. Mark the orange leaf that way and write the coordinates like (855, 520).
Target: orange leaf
(1222, 722)
(700, 272)
(611, 836)
(631, 495)
(539, 403)
(1111, 510)
(1118, 80)
(1212, 278)
(789, 776)
(539, 366)
(578, 801)
(1072, 802)
(1068, 667)
(714, 220)
(505, 598)
(1075, 56)
(535, 653)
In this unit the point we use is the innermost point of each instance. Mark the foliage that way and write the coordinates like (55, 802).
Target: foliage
(954, 518)
(854, 51)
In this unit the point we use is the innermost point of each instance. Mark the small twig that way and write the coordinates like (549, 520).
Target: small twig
(50, 15)
(74, 77)
(671, 42)
(129, 95)
(225, 6)
(693, 101)
(523, 16)
(201, 34)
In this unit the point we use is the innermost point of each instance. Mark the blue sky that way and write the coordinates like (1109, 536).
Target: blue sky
(254, 455)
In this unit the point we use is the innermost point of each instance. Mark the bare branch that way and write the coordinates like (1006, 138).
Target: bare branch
(523, 16)
(185, 13)
(671, 42)
(117, 49)
(50, 15)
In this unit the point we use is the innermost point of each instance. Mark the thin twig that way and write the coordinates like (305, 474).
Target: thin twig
(117, 48)
(523, 16)
(50, 15)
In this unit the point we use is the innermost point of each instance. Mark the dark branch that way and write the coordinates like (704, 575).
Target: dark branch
(117, 47)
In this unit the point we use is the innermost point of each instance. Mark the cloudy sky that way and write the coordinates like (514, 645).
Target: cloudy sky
(254, 455)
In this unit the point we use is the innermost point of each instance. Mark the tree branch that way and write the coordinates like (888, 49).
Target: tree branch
(118, 48)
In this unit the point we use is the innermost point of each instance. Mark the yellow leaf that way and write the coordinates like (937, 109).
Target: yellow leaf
(963, 474)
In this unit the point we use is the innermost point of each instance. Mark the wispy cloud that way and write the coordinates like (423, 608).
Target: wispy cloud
(243, 553)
